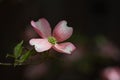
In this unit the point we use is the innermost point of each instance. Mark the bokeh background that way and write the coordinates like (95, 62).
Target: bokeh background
(96, 36)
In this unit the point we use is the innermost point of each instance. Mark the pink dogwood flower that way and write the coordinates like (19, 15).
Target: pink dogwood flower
(51, 40)
(111, 73)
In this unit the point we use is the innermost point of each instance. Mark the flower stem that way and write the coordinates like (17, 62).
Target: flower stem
(7, 64)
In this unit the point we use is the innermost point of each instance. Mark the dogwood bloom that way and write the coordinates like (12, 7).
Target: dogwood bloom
(112, 73)
(51, 40)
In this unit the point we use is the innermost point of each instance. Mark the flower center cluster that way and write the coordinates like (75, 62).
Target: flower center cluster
(52, 40)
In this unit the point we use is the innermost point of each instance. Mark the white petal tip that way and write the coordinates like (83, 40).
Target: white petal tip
(31, 42)
(33, 23)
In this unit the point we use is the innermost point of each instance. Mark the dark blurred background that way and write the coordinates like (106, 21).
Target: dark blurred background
(89, 18)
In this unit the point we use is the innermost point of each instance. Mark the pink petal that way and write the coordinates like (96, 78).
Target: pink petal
(62, 31)
(42, 27)
(67, 47)
(40, 44)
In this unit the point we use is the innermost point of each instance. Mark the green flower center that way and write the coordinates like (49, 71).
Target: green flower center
(52, 40)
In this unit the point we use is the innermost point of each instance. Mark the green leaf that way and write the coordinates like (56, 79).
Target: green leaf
(22, 58)
(18, 49)
(17, 62)
(25, 56)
